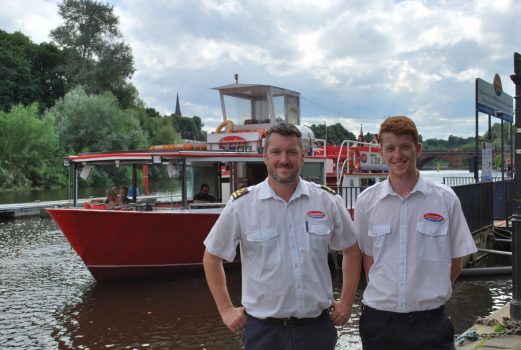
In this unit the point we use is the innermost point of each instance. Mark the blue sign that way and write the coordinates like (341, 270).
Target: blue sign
(492, 100)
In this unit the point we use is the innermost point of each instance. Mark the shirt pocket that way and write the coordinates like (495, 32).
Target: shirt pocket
(261, 249)
(319, 234)
(261, 235)
(433, 241)
(380, 235)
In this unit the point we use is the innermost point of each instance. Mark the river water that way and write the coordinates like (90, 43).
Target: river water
(48, 300)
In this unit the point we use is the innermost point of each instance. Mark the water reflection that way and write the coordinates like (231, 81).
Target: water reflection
(39, 274)
(146, 315)
(48, 300)
(477, 297)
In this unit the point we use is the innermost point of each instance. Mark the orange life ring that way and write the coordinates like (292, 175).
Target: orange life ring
(226, 124)
(354, 159)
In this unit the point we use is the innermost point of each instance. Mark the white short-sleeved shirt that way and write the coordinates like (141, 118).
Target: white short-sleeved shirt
(412, 242)
(284, 247)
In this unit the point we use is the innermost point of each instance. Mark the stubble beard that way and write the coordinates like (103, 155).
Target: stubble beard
(289, 180)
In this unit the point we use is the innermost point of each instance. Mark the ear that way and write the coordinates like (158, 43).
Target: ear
(418, 149)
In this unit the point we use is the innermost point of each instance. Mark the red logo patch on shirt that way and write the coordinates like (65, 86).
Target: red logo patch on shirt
(433, 217)
(316, 214)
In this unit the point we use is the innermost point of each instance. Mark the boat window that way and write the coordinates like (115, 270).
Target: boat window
(278, 106)
(313, 172)
(286, 109)
(292, 110)
(246, 111)
(247, 174)
(207, 173)
(368, 181)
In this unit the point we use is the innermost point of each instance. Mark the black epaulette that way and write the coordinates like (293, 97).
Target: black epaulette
(240, 192)
(329, 189)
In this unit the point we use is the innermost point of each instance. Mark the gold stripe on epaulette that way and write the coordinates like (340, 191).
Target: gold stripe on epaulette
(327, 188)
(240, 192)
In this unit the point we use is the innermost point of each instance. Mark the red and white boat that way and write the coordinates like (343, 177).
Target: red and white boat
(163, 233)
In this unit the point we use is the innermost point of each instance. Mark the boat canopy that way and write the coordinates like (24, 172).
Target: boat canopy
(258, 106)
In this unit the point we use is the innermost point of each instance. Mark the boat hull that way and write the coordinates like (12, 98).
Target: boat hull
(129, 244)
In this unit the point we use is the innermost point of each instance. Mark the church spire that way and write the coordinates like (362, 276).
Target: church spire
(361, 135)
(177, 108)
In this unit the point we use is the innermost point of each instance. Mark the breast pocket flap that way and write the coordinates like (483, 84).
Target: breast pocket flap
(379, 230)
(431, 228)
(261, 235)
(318, 228)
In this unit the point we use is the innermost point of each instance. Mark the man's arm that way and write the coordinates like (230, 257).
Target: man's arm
(233, 317)
(368, 262)
(351, 265)
(455, 269)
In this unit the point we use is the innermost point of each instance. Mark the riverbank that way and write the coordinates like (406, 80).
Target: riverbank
(495, 331)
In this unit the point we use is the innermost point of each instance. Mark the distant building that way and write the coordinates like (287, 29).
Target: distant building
(177, 108)
(361, 137)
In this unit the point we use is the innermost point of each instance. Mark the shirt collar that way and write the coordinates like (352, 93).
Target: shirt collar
(266, 191)
(387, 189)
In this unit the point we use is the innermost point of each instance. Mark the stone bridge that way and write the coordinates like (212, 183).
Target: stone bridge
(456, 159)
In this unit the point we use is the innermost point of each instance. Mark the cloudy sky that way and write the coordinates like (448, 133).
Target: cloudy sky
(354, 62)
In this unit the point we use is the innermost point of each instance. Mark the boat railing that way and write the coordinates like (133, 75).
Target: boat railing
(464, 180)
(203, 205)
(349, 194)
(340, 169)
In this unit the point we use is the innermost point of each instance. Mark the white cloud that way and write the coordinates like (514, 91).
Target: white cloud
(33, 18)
(361, 60)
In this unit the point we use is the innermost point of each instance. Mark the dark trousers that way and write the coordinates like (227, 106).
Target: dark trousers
(291, 334)
(423, 330)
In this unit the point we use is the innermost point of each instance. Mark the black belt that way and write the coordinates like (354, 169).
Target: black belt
(294, 321)
(411, 316)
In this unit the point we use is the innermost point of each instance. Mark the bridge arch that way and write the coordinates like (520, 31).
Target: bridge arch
(456, 160)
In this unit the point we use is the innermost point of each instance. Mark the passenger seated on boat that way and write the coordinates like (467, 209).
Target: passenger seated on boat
(112, 198)
(123, 196)
(204, 196)
(375, 139)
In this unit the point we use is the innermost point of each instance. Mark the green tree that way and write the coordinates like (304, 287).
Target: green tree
(97, 57)
(17, 84)
(47, 68)
(29, 150)
(496, 135)
(336, 133)
(29, 72)
(163, 132)
(94, 123)
(188, 128)
(159, 130)
(434, 145)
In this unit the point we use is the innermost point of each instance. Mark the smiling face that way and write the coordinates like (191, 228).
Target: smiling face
(399, 153)
(283, 158)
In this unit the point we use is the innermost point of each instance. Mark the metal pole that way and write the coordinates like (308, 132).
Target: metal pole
(134, 183)
(502, 151)
(515, 304)
(476, 175)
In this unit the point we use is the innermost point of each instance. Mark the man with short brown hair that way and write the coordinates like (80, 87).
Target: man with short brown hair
(413, 236)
